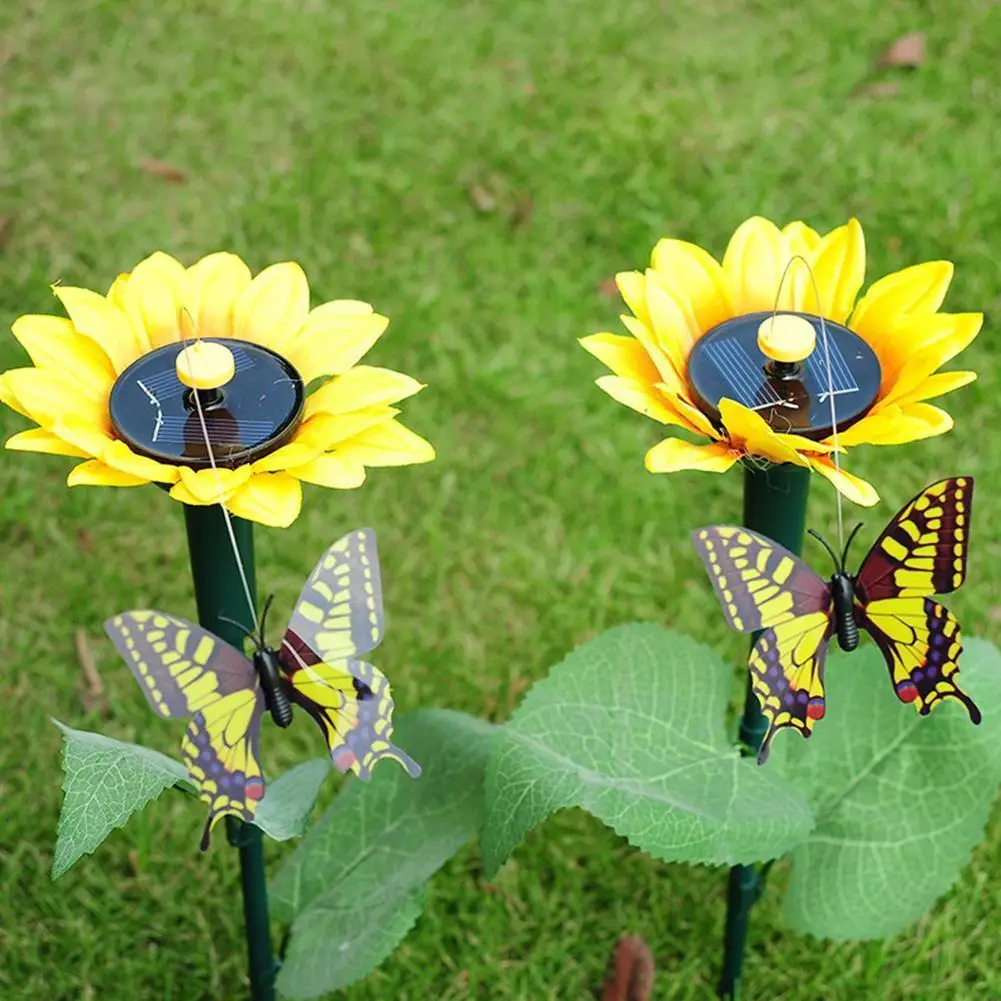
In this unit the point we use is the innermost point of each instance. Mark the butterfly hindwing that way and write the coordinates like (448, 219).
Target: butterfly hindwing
(921, 642)
(352, 704)
(787, 673)
(220, 748)
(339, 612)
(185, 670)
(759, 583)
(922, 552)
(180, 666)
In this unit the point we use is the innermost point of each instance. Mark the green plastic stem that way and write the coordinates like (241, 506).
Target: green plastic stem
(219, 594)
(774, 505)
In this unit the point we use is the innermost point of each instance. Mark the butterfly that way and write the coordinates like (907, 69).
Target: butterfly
(185, 670)
(762, 586)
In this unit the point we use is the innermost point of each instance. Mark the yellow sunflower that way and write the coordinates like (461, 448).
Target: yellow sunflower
(347, 424)
(686, 293)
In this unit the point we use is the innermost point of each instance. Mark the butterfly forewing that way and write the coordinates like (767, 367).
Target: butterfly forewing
(339, 612)
(758, 582)
(180, 666)
(922, 552)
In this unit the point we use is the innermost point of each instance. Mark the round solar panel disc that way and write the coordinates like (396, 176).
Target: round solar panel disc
(254, 413)
(728, 363)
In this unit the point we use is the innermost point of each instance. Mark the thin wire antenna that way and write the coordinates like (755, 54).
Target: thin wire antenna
(827, 546)
(215, 469)
(830, 374)
(848, 544)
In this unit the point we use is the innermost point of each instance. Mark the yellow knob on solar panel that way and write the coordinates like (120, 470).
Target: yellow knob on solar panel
(786, 338)
(205, 365)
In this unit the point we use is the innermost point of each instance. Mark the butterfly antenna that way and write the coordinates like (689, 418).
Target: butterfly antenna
(848, 544)
(264, 616)
(239, 625)
(825, 544)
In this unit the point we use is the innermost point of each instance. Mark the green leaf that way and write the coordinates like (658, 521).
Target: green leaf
(901, 799)
(106, 781)
(631, 728)
(353, 888)
(283, 812)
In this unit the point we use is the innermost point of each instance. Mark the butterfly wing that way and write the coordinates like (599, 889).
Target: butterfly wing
(922, 552)
(338, 617)
(185, 670)
(759, 583)
(787, 674)
(352, 704)
(339, 612)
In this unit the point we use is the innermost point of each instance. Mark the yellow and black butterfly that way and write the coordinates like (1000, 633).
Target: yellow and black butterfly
(187, 671)
(762, 586)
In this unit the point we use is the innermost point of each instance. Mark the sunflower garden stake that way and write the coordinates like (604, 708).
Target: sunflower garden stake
(195, 379)
(770, 357)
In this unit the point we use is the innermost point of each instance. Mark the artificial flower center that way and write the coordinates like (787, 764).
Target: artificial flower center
(251, 413)
(790, 386)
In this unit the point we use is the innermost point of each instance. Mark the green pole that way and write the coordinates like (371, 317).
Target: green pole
(219, 594)
(774, 505)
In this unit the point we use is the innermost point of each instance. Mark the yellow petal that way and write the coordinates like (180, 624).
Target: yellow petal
(104, 323)
(388, 444)
(47, 395)
(689, 414)
(625, 356)
(153, 296)
(801, 239)
(334, 338)
(40, 440)
(8, 397)
(896, 425)
(918, 290)
(750, 432)
(82, 434)
(838, 266)
(632, 288)
(940, 384)
(119, 456)
(674, 454)
(339, 472)
(668, 373)
(53, 342)
(697, 276)
(674, 324)
(920, 352)
(273, 499)
(215, 285)
(272, 308)
(209, 486)
(855, 489)
(94, 473)
(755, 259)
(641, 397)
(361, 387)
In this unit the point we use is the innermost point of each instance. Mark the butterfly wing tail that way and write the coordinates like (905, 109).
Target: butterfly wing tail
(921, 642)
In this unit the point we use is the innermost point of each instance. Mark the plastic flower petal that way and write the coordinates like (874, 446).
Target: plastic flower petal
(349, 421)
(686, 293)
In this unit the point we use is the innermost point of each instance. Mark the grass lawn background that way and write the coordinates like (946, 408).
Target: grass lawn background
(478, 171)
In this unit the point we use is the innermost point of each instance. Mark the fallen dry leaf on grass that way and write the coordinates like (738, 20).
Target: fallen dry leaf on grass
(166, 171)
(632, 971)
(482, 199)
(908, 50)
(93, 694)
(608, 289)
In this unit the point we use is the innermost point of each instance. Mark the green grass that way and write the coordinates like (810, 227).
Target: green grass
(348, 136)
